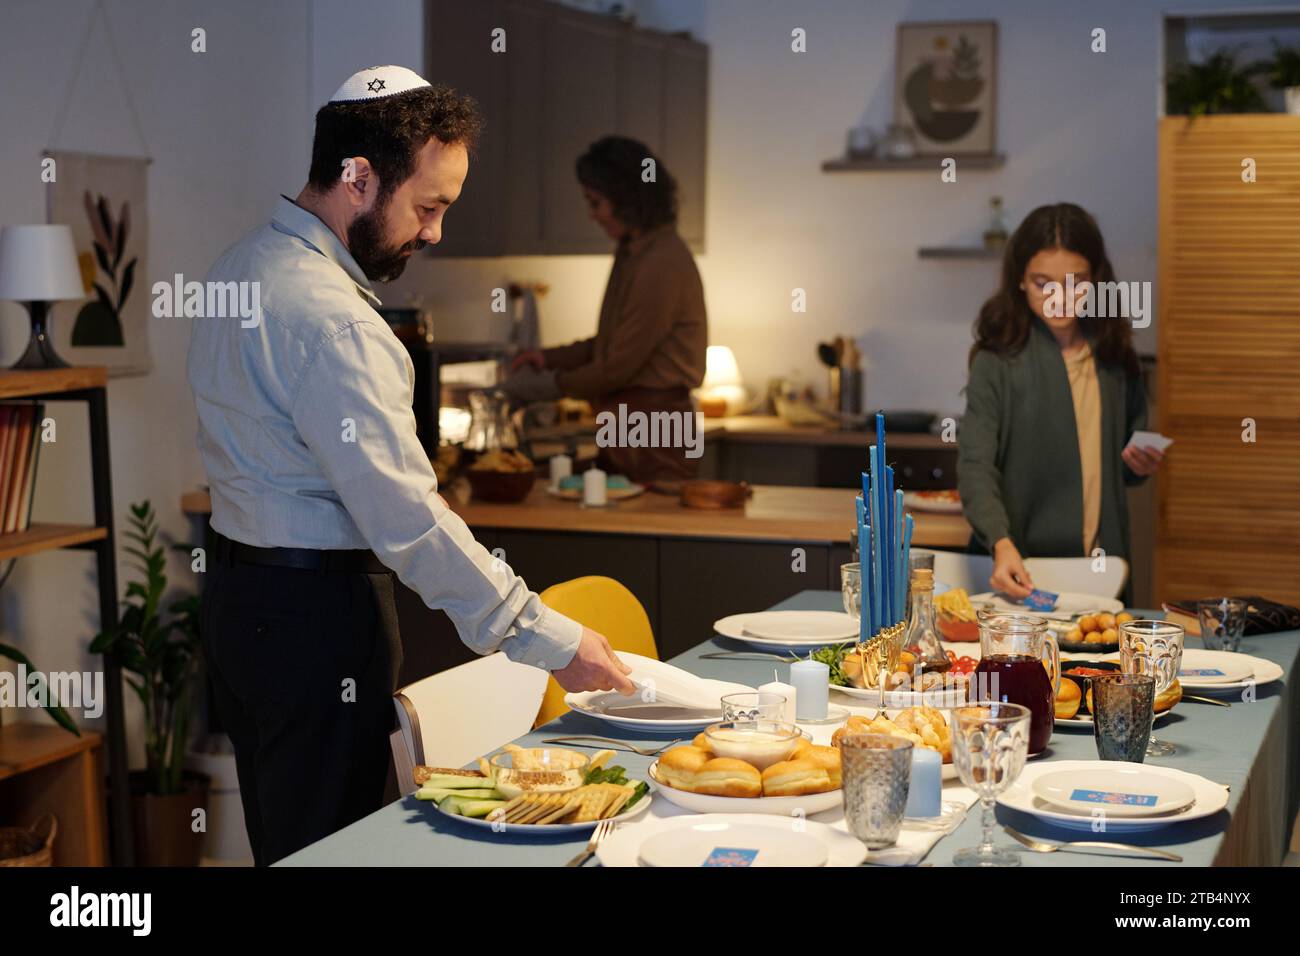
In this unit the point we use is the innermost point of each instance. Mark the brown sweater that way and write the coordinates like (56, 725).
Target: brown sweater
(653, 331)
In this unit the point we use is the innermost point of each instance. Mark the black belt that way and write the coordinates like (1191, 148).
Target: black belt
(358, 560)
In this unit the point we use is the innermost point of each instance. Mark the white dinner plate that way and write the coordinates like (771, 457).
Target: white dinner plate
(792, 628)
(1211, 797)
(631, 813)
(1259, 670)
(1085, 720)
(1202, 668)
(805, 805)
(1068, 603)
(1131, 790)
(623, 846)
(713, 843)
(632, 713)
(611, 494)
(900, 699)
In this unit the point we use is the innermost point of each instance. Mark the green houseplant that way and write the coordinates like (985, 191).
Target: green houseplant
(1218, 85)
(1283, 73)
(164, 659)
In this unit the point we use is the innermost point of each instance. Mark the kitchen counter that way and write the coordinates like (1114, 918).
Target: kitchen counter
(773, 514)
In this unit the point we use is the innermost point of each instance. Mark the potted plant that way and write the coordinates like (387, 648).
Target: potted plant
(1216, 86)
(1283, 73)
(164, 658)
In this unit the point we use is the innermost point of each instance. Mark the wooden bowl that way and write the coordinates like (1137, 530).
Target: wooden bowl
(715, 495)
(506, 487)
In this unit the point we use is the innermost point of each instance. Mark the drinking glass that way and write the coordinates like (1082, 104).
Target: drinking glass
(990, 742)
(1222, 623)
(851, 588)
(1155, 648)
(757, 705)
(1123, 708)
(877, 773)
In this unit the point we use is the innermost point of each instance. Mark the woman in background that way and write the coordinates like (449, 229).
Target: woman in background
(648, 351)
(1051, 402)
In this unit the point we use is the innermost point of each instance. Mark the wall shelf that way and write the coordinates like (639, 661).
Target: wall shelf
(958, 252)
(847, 164)
(87, 384)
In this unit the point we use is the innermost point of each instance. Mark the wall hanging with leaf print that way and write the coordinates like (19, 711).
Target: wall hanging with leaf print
(104, 200)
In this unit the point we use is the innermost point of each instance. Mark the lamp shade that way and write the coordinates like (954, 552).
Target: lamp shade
(39, 264)
(720, 367)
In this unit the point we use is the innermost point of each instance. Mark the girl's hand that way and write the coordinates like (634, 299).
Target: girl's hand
(532, 357)
(1009, 574)
(1142, 461)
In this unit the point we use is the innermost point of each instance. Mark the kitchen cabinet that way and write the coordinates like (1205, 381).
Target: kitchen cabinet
(566, 79)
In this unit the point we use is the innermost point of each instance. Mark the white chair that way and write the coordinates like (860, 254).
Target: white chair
(1078, 575)
(959, 570)
(972, 572)
(448, 719)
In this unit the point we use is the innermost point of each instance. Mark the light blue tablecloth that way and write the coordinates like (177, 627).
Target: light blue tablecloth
(1252, 747)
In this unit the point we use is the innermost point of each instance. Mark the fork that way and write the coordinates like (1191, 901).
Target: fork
(1083, 846)
(623, 744)
(603, 829)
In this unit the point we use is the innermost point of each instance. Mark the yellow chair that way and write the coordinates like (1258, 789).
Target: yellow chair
(606, 607)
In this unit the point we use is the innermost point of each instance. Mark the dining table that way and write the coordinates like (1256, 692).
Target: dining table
(1251, 747)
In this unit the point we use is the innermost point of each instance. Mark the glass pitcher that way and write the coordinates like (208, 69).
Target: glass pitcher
(1020, 663)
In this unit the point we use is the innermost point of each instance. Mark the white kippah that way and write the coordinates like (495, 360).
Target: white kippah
(375, 82)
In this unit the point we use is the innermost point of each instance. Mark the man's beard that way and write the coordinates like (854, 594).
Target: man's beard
(379, 261)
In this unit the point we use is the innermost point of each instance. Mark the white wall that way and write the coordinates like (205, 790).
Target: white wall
(1074, 125)
(227, 130)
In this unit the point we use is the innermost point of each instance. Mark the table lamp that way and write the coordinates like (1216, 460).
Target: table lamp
(38, 265)
(722, 391)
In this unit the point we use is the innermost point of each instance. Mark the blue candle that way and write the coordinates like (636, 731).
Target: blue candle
(877, 567)
(891, 546)
(864, 565)
(925, 792)
(908, 523)
(900, 579)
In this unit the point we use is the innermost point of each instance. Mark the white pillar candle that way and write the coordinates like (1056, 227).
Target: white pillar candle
(593, 486)
(926, 789)
(561, 467)
(812, 688)
(787, 691)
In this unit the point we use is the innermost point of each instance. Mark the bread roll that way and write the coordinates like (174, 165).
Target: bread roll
(1068, 699)
(678, 766)
(727, 777)
(800, 748)
(702, 742)
(828, 758)
(795, 778)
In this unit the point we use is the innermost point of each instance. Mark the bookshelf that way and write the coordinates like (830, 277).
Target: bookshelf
(87, 384)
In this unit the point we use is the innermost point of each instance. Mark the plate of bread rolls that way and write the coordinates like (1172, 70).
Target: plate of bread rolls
(696, 778)
(924, 726)
(1074, 699)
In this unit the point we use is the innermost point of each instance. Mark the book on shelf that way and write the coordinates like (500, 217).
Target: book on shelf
(19, 449)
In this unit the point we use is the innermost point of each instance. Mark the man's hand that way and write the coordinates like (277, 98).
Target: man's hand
(1009, 574)
(532, 357)
(594, 667)
(1142, 461)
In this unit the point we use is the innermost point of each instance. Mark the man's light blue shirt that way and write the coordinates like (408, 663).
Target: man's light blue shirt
(308, 438)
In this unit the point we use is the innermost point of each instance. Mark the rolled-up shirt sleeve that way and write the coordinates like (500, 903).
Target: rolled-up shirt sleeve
(352, 408)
